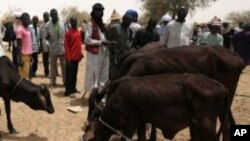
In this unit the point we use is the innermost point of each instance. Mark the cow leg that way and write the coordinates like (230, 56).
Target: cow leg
(128, 131)
(231, 118)
(207, 129)
(153, 133)
(8, 112)
(141, 132)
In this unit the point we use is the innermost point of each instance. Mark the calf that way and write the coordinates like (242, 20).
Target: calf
(13, 87)
(170, 102)
(218, 63)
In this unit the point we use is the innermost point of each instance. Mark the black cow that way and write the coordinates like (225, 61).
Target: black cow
(13, 87)
(171, 102)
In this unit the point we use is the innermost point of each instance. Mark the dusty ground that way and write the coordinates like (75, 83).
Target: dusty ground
(66, 126)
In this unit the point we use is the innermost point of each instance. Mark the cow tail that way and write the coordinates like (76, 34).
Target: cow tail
(224, 118)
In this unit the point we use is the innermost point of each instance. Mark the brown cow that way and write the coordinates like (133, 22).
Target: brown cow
(13, 87)
(218, 63)
(171, 102)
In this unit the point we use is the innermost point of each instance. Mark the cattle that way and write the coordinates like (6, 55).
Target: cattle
(216, 62)
(171, 102)
(14, 87)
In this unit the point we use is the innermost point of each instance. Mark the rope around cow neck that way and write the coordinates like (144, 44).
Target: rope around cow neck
(14, 89)
(115, 130)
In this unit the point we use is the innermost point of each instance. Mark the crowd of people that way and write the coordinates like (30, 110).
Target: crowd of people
(106, 45)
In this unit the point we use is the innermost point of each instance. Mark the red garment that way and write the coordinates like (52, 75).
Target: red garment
(95, 35)
(73, 45)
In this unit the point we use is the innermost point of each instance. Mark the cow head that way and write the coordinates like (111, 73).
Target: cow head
(36, 97)
(227, 66)
(96, 131)
(44, 98)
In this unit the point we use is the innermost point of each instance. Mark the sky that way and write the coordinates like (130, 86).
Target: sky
(37, 7)
(220, 9)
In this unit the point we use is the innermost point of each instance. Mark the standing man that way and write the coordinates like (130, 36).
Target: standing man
(55, 34)
(97, 63)
(122, 35)
(134, 26)
(147, 35)
(17, 23)
(161, 28)
(241, 43)
(178, 32)
(24, 46)
(213, 37)
(44, 44)
(2, 31)
(35, 38)
(73, 55)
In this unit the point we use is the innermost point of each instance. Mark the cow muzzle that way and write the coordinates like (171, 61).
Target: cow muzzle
(50, 110)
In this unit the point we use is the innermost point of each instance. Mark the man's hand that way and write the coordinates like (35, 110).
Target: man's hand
(108, 43)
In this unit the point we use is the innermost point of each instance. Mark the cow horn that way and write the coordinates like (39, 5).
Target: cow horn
(43, 87)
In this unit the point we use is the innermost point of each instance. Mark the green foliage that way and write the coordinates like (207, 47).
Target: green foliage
(70, 11)
(157, 8)
(236, 17)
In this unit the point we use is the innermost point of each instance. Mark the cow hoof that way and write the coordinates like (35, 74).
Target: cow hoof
(13, 131)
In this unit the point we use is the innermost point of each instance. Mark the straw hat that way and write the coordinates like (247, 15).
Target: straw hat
(115, 16)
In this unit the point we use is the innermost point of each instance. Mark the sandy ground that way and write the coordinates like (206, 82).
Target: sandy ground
(67, 126)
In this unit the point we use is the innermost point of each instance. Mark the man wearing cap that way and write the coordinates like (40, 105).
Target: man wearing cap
(213, 37)
(161, 29)
(178, 32)
(97, 63)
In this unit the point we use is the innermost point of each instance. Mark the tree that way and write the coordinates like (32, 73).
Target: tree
(157, 8)
(237, 17)
(70, 11)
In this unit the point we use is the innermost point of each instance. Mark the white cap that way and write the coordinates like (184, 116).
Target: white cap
(17, 14)
(216, 24)
(166, 18)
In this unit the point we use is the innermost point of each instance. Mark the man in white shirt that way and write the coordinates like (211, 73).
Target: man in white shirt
(178, 32)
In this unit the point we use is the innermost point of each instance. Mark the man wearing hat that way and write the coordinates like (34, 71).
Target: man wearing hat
(97, 63)
(213, 37)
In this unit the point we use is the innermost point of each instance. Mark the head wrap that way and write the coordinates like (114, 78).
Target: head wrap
(133, 13)
(97, 6)
(166, 18)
